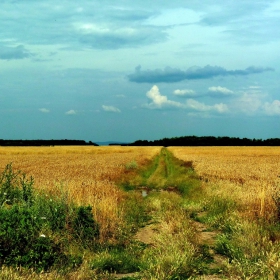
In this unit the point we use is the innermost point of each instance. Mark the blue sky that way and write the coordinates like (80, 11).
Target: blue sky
(128, 70)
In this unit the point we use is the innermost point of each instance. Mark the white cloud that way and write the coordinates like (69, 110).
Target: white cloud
(111, 109)
(249, 103)
(44, 110)
(253, 101)
(254, 87)
(220, 108)
(184, 92)
(220, 90)
(71, 112)
(114, 36)
(272, 109)
(199, 106)
(160, 101)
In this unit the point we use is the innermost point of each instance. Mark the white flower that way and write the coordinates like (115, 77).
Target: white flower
(42, 235)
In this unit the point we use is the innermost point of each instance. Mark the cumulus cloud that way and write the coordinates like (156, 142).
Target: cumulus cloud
(111, 109)
(71, 112)
(18, 52)
(220, 90)
(273, 108)
(172, 75)
(184, 92)
(44, 110)
(160, 101)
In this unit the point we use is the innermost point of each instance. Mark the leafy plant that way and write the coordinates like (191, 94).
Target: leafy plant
(15, 188)
(30, 223)
(86, 229)
(21, 243)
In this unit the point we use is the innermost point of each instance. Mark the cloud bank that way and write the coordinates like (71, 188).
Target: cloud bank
(103, 25)
(172, 75)
(248, 102)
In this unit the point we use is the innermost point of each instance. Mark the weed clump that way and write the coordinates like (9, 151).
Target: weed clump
(31, 223)
(131, 165)
(85, 227)
(14, 188)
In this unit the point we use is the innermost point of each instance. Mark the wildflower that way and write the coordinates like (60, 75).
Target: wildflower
(42, 235)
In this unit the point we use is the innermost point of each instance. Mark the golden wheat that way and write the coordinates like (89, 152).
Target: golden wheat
(84, 175)
(248, 174)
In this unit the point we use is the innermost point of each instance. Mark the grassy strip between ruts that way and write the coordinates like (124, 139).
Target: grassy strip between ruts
(169, 185)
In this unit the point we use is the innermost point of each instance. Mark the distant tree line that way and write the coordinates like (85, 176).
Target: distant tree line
(207, 141)
(63, 142)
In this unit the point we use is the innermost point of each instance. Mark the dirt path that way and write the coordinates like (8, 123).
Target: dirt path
(146, 234)
(207, 240)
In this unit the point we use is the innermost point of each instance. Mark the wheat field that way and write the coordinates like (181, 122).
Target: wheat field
(246, 176)
(84, 175)
(250, 175)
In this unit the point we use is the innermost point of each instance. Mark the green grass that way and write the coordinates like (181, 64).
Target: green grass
(119, 259)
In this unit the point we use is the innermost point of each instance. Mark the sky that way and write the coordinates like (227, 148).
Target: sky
(128, 70)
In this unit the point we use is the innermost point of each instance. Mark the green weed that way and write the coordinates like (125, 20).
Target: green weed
(35, 230)
(136, 214)
(119, 260)
(15, 187)
(84, 226)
